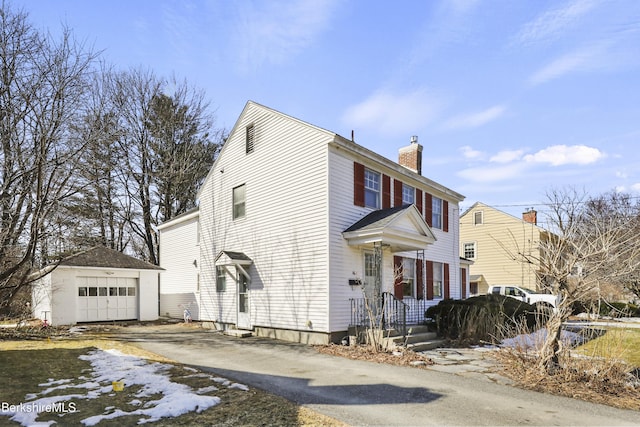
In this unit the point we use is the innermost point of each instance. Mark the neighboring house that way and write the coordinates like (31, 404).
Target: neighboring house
(296, 221)
(99, 284)
(498, 244)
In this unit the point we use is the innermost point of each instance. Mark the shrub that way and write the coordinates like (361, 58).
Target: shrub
(482, 318)
(619, 309)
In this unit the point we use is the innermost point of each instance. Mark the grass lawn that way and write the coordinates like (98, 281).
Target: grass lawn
(618, 343)
(32, 366)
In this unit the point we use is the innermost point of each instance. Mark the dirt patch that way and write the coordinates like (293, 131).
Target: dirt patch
(357, 352)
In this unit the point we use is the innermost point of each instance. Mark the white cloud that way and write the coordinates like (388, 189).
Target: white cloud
(552, 23)
(585, 59)
(469, 153)
(636, 187)
(390, 112)
(557, 155)
(271, 32)
(475, 119)
(507, 156)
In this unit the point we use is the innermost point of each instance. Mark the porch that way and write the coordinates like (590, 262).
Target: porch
(388, 312)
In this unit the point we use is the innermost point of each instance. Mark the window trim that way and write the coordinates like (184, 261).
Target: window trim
(406, 188)
(236, 204)
(436, 214)
(440, 295)
(475, 218)
(221, 279)
(474, 249)
(371, 190)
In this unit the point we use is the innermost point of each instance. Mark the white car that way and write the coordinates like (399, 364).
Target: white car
(523, 294)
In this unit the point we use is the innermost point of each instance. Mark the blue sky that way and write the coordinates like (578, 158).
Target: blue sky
(509, 98)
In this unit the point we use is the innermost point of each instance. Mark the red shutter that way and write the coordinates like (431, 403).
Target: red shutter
(386, 192)
(397, 277)
(463, 284)
(419, 280)
(358, 184)
(446, 281)
(445, 216)
(429, 279)
(397, 192)
(419, 199)
(428, 209)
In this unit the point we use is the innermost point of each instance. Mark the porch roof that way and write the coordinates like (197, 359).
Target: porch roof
(401, 228)
(232, 258)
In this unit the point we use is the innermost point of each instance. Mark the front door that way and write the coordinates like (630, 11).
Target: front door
(244, 318)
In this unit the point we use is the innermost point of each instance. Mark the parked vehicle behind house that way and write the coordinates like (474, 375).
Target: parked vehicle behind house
(540, 300)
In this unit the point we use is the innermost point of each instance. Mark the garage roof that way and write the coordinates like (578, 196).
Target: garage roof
(99, 256)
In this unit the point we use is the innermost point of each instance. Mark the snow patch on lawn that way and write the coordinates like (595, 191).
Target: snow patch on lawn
(150, 379)
(536, 339)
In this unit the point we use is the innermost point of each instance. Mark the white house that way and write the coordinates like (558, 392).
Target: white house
(99, 284)
(296, 224)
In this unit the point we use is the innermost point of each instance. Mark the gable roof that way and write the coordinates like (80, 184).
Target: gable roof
(100, 256)
(506, 214)
(402, 228)
(344, 143)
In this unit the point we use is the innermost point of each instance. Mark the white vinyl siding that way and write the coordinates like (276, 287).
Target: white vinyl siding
(347, 262)
(285, 229)
(180, 257)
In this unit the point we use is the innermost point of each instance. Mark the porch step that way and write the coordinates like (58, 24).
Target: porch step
(238, 333)
(417, 339)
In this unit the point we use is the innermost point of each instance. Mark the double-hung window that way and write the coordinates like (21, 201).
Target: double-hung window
(239, 198)
(221, 279)
(469, 249)
(438, 284)
(408, 194)
(371, 189)
(408, 277)
(436, 213)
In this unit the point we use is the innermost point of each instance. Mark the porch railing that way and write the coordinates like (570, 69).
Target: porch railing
(385, 311)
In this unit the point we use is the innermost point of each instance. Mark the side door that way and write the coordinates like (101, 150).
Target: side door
(242, 301)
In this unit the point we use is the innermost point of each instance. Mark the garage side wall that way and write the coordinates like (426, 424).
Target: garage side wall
(63, 297)
(148, 300)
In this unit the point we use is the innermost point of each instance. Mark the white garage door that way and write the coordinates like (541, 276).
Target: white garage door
(107, 298)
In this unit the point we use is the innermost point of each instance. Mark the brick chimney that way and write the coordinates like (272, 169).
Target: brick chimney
(530, 216)
(411, 156)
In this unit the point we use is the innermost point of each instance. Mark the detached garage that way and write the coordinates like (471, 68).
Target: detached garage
(97, 285)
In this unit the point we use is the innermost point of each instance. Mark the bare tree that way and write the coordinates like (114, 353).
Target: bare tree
(43, 84)
(184, 147)
(584, 246)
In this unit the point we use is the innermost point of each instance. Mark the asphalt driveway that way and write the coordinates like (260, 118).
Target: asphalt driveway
(365, 393)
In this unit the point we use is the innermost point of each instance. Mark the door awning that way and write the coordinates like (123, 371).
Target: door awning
(401, 228)
(234, 259)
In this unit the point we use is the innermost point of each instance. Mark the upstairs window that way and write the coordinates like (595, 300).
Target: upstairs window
(371, 189)
(436, 213)
(239, 202)
(478, 218)
(250, 139)
(408, 194)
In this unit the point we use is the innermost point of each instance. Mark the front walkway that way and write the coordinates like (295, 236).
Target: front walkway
(365, 393)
